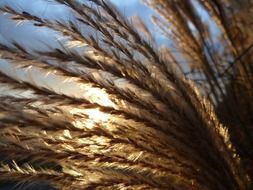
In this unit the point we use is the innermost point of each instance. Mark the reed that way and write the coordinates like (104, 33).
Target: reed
(145, 120)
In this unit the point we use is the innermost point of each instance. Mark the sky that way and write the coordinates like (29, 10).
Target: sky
(47, 9)
(33, 37)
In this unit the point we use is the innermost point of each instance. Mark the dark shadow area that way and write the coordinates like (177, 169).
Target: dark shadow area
(13, 186)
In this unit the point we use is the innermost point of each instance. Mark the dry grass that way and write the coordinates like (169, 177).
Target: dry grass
(152, 126)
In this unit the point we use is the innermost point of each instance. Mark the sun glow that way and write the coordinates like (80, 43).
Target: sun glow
(94, 116)
(98, 96)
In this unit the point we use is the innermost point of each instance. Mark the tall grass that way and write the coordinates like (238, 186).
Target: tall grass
(144, 121)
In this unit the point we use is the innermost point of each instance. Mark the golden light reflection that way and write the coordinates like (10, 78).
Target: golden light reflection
(99, 96)
(94, 115)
